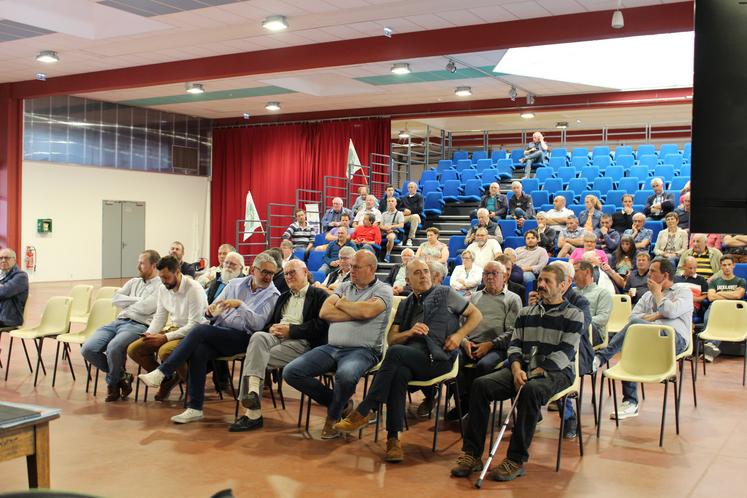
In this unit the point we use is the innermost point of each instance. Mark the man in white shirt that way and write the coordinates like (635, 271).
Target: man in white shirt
(106, 349)
(559, 213)
(483, 248)
(185, 302)
(210, 274)
(368, 208)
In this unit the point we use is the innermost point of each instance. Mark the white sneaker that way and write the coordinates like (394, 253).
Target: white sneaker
(152, 379)
(625, 410)
(710, 352)
(596, 364)
(408, 243)
(187, 416)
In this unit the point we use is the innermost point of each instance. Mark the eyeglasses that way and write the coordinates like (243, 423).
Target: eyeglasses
(491, 273)
(265, 273)
(6, 258)
(291, 273)
(359, 267)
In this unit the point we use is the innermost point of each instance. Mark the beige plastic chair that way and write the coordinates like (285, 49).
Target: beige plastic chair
(727, 322)
(687, 355)
(102, 312)
(619, 317)
(572, 390)
(55, 320)
(648, 356)
(106, 292)
(81, 295)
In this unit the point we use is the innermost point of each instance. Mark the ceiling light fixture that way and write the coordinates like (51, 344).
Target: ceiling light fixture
(463, 91)
(617, 17)
(512, 94)
(388, 31)
(275, 23)
(41, 76)
(48, 57)
(272, 106)
(451, 66)
(195, 88)
(401, 68)
(530, 99)
(527, 115)
(561, 125)
(247, 115)
(404, 134)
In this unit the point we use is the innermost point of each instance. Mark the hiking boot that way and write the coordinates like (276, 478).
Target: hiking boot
(125, 385)
(508, 470)
(424, 408)
(347, 410)
(394, 452)
(165, 388)
(465, 465)
(352, 422)
(112, 393)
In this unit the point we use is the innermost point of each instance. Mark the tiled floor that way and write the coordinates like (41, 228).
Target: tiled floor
(128, 449)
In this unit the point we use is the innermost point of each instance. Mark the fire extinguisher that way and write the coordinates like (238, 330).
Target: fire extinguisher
(30, 258)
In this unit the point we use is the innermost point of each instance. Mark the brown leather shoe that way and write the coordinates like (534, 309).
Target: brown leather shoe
(508, 470)
(394, 452)
(125, 385)
(112, 393)
(165, 389)
(352, 422)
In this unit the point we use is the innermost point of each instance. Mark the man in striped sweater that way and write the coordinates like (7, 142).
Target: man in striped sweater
(541, 356)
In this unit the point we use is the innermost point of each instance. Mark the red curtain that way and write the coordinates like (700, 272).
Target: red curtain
(273, 161)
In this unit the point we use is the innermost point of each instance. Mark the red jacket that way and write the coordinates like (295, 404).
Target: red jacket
(369, 234)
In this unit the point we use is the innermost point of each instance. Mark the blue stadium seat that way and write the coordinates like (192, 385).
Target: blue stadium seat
(563, 193)
(483, 164)
(504, 164)
(489, 176)
(529, 225)
(431, 186)
(316, 258)
(463, 164)
(614, 197)
(553, 185)
(650, 161)
(600, 150)
(540, 197)
(445, 164)
(623, 150)
(595, 193)
(516, 154)
(666, 149)
(665, 172)
(320, 239)
(478, 155)
(434, 204)
(678, 183)
(497, 154)
(428, 175)
(685, 169)
(645, 149)
(456, 246)
(460, 154)
(579, 162)
(629, 184)
(601, 162)
(615, 172)
(566, 174)
(300, 253)
(740, 269)
(589, 172)
(577, 208)
(609, 209)
(508, 227)
(542, 174)
(656, 227)
(604, 185)
(529, 184)
(687, 152)
(625, 161)
(472, 191)
(578, 186)
(673, 159)
(544, 207)
(505, 170)
(580, 152)
(641, 172)
(559, 152)
(318, 276)
(452, 190)
(557, 162)
(642, 196)
(447, 175)
(513, 242)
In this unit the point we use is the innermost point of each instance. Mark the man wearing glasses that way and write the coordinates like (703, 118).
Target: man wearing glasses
(14, 290)
(358, 312)
(244, 306)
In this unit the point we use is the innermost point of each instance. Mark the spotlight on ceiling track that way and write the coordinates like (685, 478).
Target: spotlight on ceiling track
(530, 99)
(48, 57)
(527, 115)
(195, 88)
(275, 23)
(247, 115)
(41, 76)
(561, 125)
(617, 17)
(401, 68)
(451, 66)
(388, 31)
(512, 94)
(272, 106)
(463, 91)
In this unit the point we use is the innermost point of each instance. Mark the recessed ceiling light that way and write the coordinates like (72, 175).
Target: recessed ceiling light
(272, 106)
(463, 91)
(195, 88)
(41, 76)
(275, 23)
(561, 125)
(527, 115)
(48, 56)
(401, 68)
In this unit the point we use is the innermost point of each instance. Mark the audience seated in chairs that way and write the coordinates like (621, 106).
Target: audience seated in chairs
(622, 220)
(520, 206)
(608, 239)
(513, 286)
(671, 243)
(368, 208)
(293, 329)
(423, 344)
(660, 203)
(360, 202)
(412, 207)
(736, 246)
(438, 272)
(279, 279)
(484, 221)
(331, 258)
(333, 216)
(392, 224)
(559, 213)
(636, 285)
(341, 273)
(244, 306)
(641, 235)
(589, 251)
(547, 234)
(664, 304)
(600, 300)
(301, 233)
(286, 247)
(177, 251)
(534, 153)
(570, 237)
(541, 356)
(106, 349)
(683, 213)
(727, 286)
(590, 218)
(494, 202)
(388, 194)
(433, 249)
(708, 258)
(484, 249)
(397, 277)
(531, 258)
(466, 277)
(697, 285)
(14, 290)
(358, 313)
(367, 234)
(182, 300)
(621, 262)
(209, 275)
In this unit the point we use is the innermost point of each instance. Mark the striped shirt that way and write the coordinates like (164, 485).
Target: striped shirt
(300, 236)
(704, 263)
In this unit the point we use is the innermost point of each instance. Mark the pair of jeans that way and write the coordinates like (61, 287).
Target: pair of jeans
(630, 389)
(348, 364)
(534, 157)
(499, 386)
(106, 349)
(201, 345)
(401, 364)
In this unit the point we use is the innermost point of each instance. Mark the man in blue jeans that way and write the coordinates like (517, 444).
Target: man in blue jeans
(358, 313)
(664, 304)
(106, 349)
(244, 306)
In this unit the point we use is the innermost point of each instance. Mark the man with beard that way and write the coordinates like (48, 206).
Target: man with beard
(245, 305)
(177, 250)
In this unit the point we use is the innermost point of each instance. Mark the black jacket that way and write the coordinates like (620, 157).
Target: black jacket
(415, 204)
(393, 276)
(212, 290)
(501, 204)
(313, 328)
(14, 291)
(667, 206)
(279, 281)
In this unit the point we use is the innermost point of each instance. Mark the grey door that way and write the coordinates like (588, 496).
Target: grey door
(123, 238)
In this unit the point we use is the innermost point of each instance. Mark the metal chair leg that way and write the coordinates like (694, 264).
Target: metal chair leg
(56, 357)
(614, 400)
(7, 363)
(438, 407)
(663, 414)
(676, 405)
(66, 348)
(579, 404)
(560, 435)
(28, 359)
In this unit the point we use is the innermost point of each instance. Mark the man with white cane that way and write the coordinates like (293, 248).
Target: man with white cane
(541, 356)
